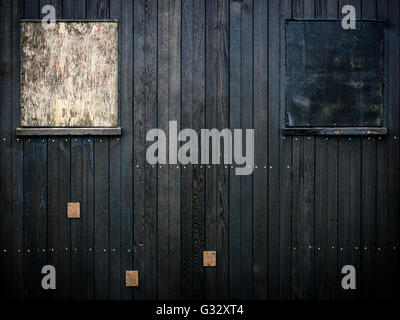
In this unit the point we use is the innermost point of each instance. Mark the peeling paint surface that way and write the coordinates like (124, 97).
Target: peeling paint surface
(69, 75)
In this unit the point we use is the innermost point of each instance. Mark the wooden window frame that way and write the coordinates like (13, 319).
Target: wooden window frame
(329, 130)
(78, 131)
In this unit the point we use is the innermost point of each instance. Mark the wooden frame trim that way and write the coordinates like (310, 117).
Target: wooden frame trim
(117, 131)
(344, 131)
(70, 131)
(334, 131)
(73, 20)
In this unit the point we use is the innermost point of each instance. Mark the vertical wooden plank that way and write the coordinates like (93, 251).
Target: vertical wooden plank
(199, 115)
(127, 165)
(234, 185)
(309, 172)
(321, 9)
(163, 176)
(169, 187)
(116, 277)
(332, 188)
(55, 246)
(216, 223)
(150, 222)
(393, 142)
(260, 187)
(174, 273)
(99, 9)
(41, 194)
(87, 221)
(139, 177)
(382, 215)
(343, 216)
(298, 9)
(53, 215)
(72, 9)
(187, 122)
(6, 246)
(78, 274)
(332, 8)
(31, 9)
(297, 218)
(274, 140)
(298, 236)
(222, 183)
(368, 217)
(41, 206)
(241, 188)
(17, 162)
(351, 235)
(145, 221)
(198, 221)
(246, 213)
(320, 217)
(32, 269)
(368, 8)
(309, 9)
(349, 221)
(101, 218)
(309, 232)
(368, 194)
(115, 220)
(87, 217)
(320, 193)
(64, 227)
(285, 206)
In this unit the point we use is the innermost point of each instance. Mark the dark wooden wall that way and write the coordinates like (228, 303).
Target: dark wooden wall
(312, 205)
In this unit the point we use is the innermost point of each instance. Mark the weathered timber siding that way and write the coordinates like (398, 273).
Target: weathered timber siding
(312, 205)
(69, 74)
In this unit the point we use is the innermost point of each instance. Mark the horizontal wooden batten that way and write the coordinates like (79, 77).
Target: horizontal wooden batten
(72, 20)
(69, 131)
(297, 131)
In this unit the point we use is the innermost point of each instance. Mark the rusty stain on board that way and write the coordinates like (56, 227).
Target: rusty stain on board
(69, 75)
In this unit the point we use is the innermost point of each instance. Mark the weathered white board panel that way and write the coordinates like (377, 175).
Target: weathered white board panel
(69, 75)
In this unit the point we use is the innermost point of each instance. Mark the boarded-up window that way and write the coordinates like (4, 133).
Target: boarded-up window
(69, 75)
(333, 77)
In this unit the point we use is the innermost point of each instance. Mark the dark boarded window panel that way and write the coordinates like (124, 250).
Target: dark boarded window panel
(334, 77)
(69, 75)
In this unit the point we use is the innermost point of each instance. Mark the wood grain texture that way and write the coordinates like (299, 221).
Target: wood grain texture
(77, 62)
(192, 218)
(5, 145)
(17, 161)
(260, 180)
(169, 177)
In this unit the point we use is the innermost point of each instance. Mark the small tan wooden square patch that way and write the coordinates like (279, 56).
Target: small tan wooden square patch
(132, 278)
(209, 258)
(74, 210)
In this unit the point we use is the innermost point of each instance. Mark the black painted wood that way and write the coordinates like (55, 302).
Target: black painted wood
(318, 199)
(17, 163)
(68, 131)
(350, 131)
(5, 145)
